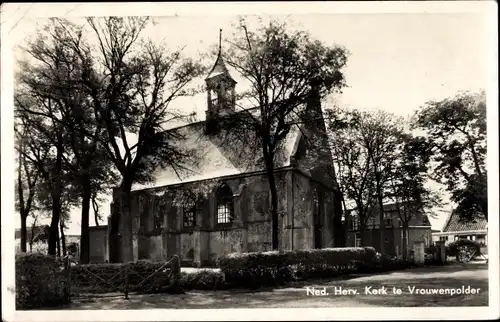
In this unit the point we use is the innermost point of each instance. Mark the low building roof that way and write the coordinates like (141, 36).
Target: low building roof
(453, 223)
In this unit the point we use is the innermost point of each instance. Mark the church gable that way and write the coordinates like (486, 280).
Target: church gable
(312, 155)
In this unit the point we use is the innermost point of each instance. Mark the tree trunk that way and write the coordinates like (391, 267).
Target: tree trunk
(274, 211)
(56, 201)
(95, 207)
(125, 223)
(54, 225)
(381, 218)
(405, 241)
(21, 202)
(84, 239)
(63, 239)
(114, 223)
(32, 237)
(274, 200)
(24, 232)
(58, 243)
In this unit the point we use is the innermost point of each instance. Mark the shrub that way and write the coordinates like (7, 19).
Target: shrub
(453, 248)
(275, 268)
(203, 280)
(40, 282)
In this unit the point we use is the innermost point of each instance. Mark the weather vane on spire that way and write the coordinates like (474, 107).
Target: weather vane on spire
(220, 40)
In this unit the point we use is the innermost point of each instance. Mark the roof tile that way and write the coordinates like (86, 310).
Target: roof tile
(454, 224)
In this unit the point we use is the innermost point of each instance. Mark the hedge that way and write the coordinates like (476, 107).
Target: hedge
(276, 268)
(238, 270)
(203, 280)
(40, 282)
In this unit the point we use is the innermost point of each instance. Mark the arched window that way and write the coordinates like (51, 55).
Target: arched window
(159, 214)
(189, 214)
(225, 213)
(215, 97)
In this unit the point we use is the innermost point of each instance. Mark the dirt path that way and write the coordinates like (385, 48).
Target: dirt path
(462, 277)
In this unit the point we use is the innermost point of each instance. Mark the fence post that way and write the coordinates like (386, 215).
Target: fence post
(126, 280)
(176, 266)
(69, 278)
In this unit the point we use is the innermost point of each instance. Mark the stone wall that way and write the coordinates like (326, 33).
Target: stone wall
(158, 218)
(187, 248)
(300, 221)
(98, 239)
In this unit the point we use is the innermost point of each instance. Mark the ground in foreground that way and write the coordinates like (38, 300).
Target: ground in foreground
(453, 276)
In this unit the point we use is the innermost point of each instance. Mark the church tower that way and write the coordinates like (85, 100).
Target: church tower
(221, 95)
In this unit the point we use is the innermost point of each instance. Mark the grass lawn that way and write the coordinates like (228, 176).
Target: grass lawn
(453, 276)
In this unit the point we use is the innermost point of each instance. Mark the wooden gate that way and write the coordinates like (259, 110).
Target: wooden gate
(125, 278)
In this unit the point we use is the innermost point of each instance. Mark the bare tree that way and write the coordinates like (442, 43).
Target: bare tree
(49, 80)
(26, 183)
(103, 99)
(45, 147)
(130, 84)
(289, 73)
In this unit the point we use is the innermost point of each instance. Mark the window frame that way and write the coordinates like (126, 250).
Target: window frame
(224, 198)
(159, 217)
(388, 217)
(189, 208)
(355, 222)
(357, 239)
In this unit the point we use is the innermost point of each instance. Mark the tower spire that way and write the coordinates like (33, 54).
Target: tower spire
(220, 41)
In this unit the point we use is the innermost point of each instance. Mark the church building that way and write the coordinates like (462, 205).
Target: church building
(222, 204)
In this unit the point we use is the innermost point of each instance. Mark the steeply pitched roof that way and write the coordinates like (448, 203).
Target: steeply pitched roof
(221, 154)
(453, 223)
(219, 68)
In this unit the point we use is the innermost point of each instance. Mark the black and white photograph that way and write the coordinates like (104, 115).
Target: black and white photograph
(249, 160)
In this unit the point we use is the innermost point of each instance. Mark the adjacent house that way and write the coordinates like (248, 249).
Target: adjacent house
(40, 239)
(455, 229)
(419, 229)
(39, 233)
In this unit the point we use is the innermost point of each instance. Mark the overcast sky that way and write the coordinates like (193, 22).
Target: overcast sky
(397, 61)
